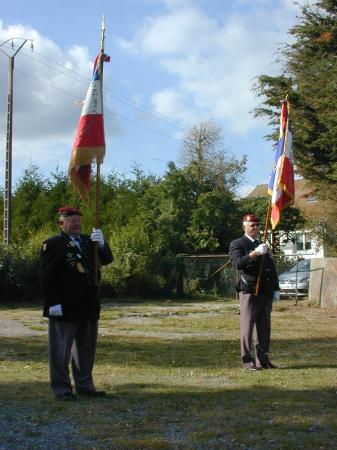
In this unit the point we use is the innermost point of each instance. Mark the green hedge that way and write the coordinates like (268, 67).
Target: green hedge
(130, 273)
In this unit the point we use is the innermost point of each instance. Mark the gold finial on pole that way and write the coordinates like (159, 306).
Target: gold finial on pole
(102, 34)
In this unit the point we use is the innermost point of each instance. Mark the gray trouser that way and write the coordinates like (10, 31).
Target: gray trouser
(75, 341)
(255, 311)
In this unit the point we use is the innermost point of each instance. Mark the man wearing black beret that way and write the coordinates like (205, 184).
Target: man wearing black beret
(247, 254)
(70, 293)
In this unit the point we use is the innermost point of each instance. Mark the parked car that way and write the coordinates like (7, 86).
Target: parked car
(295, 281)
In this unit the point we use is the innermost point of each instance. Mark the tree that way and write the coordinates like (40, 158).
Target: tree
(30, 211)
(59, 193)
(212, 178)
(310, 73)
(213, 222)
(204, 157)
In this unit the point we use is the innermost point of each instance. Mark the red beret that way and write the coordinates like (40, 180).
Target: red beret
(250, 218)
(68, 211)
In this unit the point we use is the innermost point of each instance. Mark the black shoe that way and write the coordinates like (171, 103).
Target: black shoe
(91, 393)
(270, 365)
(66, 396)
(267, 365)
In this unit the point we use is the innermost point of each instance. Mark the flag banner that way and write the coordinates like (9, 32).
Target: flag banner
(89, 141)
(281, 185)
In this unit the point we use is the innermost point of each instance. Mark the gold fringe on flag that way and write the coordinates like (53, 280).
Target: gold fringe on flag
(83, 156)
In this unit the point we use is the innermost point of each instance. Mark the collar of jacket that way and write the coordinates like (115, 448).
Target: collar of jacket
(70, 242)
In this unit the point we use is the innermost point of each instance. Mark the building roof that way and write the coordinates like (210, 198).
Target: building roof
(305, 197)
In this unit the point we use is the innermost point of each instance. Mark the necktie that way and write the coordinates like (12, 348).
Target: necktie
(77, 242)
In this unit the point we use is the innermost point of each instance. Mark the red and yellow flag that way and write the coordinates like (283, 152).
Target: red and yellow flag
(89, 142)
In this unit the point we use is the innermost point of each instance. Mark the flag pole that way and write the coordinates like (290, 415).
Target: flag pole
(265, 234)
(284, 130)
(98, 162)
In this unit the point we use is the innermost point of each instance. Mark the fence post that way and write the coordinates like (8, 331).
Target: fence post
(180, 275)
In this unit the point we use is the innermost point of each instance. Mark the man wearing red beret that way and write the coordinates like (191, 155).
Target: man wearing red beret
(71, 303)
(246, 253)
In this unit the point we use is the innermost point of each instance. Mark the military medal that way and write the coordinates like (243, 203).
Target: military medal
(74, 258)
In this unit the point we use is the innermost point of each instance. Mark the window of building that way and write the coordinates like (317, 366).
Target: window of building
(303, 242)
(300, 242)
(307, 243)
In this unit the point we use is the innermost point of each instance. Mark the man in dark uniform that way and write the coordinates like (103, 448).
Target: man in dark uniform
(71, 303)
(247, 254)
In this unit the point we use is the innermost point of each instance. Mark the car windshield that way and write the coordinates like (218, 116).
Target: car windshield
(301, 266)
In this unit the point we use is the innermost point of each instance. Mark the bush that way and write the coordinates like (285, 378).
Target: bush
(8, 282)
(19, 264)
(137, 269)
(18, 274)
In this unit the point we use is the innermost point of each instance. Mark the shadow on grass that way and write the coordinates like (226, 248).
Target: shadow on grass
(24, 348)
(160, 416)
(210, 353)
(203, 353)
(36, 305)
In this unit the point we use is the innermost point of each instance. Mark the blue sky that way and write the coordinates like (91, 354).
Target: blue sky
(173, 63)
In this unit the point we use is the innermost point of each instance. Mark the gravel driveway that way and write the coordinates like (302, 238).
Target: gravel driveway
(12, 328)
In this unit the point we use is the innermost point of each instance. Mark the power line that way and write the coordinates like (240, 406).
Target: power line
(126, 100)
(106, 109)
(115, 94)
(66, 71)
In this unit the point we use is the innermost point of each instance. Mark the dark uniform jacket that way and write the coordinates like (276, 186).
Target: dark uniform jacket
(239, 250)
(67, 276)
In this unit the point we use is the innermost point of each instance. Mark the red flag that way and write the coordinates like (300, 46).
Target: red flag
(281, 184)
(89, 142)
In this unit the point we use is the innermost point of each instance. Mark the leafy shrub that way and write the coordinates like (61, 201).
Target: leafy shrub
(137, 268)
(19, 269)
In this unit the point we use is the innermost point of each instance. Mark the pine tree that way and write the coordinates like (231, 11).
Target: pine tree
(310, 74)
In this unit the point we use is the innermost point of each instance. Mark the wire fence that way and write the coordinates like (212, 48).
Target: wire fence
(201, 275)
(206, 275)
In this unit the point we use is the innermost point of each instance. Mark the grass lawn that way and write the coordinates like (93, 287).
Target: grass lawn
(174, 381)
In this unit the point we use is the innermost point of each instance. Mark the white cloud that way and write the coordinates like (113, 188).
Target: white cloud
(175, 33)
(45, 92)
(213, 59)
(172, 4)
(170, 99)
(49, 84)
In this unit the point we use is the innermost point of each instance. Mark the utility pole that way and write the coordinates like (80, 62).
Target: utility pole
(7, 226)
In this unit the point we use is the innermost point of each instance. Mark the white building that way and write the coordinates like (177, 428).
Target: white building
(304, 244)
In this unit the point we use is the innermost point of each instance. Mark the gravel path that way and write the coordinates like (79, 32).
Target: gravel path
(25, 428)
(154, 315)
(13, 328)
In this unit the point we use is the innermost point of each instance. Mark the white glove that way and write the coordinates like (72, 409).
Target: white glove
(97, 236)
(262, 249)
(55, 311)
